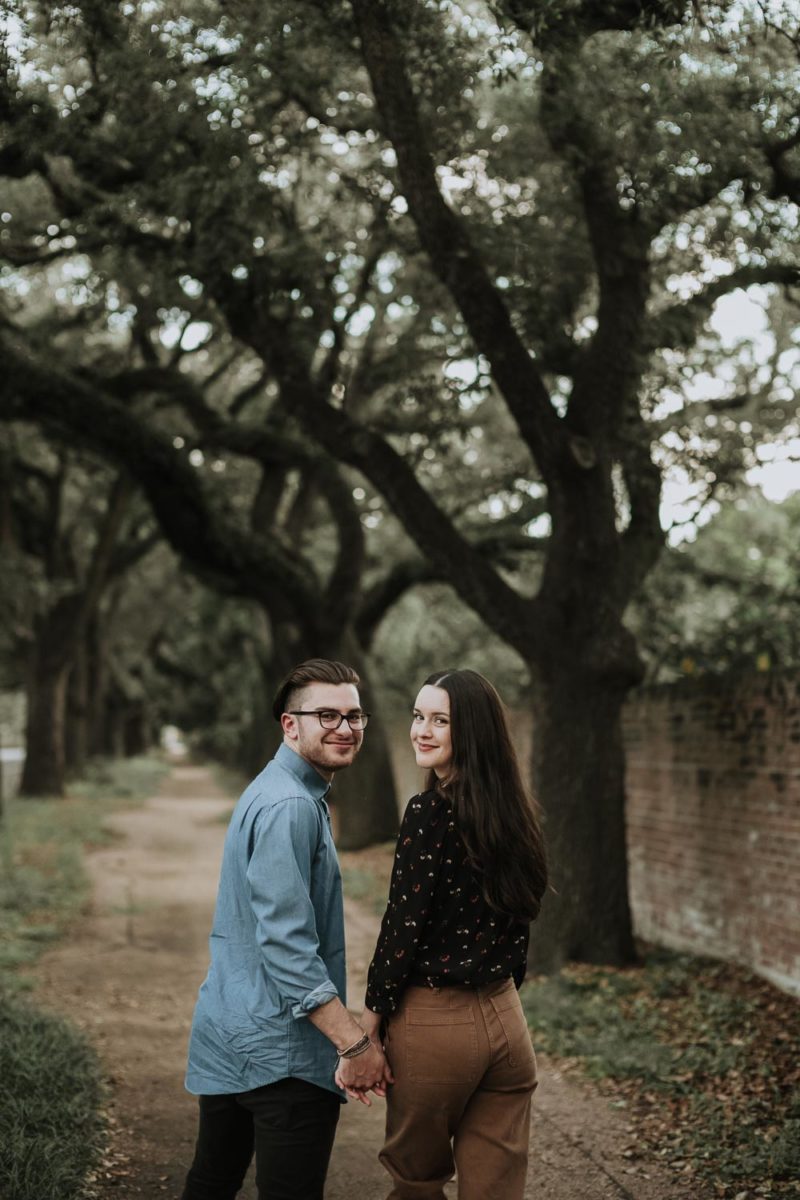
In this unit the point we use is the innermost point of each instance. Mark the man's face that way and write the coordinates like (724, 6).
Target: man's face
(327, 750)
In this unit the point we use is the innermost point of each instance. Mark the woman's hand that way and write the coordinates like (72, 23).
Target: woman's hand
(347, 1073)
(370, 1022)
(367, 1072)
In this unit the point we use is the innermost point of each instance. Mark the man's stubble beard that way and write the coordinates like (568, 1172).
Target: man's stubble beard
(323, 764)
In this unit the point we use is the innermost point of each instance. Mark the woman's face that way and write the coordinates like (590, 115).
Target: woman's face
(430, 730)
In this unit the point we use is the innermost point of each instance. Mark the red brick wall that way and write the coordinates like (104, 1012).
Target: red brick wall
(713, 816)
(714, 819)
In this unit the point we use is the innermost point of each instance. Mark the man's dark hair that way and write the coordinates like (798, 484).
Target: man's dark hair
(314, 670)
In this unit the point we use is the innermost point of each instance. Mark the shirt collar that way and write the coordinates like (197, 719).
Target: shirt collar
(296, 765)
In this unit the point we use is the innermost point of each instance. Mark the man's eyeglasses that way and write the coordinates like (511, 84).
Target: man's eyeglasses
(329, 718)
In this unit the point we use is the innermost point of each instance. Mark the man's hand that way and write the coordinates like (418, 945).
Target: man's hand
(367, 1072)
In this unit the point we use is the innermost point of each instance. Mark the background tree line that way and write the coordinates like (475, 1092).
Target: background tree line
(384, 322)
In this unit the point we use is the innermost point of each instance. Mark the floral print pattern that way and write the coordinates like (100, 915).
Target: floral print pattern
(438, 929)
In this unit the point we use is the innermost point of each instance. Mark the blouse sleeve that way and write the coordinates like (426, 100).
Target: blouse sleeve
(414, 875)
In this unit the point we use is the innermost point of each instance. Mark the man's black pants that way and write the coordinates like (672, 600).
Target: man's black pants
(289, 1124)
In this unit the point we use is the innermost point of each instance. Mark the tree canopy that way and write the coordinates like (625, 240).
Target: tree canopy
(367, 294)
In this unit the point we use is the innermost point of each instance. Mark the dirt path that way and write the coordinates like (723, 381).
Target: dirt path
(129, 974)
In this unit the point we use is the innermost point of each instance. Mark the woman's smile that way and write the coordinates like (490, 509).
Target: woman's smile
(432, 716)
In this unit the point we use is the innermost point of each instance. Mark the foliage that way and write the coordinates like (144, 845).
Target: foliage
(727, 599)
(272, 177)
(51, 1123)
(701, 1055)
(207, 674)
(474, 254)
(430, 629)
(51, 1128)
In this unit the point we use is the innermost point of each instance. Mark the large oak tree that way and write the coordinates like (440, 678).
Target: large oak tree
(559, 199)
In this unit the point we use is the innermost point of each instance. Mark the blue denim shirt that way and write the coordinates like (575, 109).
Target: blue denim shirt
(277, 943)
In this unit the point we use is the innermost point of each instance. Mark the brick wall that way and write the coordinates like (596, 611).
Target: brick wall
(713, 816)
(714, 819)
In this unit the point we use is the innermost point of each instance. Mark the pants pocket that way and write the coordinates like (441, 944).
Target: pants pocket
(441, 1045)
(509, 1013)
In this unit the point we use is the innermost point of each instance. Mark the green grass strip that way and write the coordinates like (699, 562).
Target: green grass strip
(51, 1128)
(51, 1094)
(43, 884)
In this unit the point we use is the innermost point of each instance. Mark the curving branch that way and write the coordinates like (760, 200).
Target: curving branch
(387, 591)
(509, 614)
(679, 325)
(202, 530)
(443, 235)
(549, 22)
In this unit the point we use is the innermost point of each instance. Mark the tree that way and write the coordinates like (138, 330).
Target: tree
(593, 455)
(240, 560)
(72, 519)
(312, 608)
(567, 231)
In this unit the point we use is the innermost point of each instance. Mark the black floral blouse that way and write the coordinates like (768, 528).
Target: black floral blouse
(437, 929)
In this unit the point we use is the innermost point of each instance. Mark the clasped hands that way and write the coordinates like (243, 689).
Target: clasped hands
(367, 1072)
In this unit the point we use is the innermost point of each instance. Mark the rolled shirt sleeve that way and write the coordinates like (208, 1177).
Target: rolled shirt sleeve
(279, 881)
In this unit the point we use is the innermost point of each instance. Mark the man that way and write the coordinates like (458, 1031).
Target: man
(270, 1028)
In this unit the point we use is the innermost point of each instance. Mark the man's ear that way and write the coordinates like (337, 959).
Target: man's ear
(290, 726)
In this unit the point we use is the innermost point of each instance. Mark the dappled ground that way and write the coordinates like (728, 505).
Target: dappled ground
(128, 975)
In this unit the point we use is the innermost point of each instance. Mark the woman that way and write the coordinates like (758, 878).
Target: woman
(468, 878)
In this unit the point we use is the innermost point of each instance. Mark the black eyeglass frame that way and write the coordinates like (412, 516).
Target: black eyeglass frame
(363, 717)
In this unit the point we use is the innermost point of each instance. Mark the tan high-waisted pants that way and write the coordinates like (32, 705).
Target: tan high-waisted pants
(464, 1073)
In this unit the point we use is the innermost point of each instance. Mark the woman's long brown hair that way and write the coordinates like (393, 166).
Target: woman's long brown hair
(492, 809)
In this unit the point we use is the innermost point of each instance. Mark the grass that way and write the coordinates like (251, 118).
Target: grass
(701, 1054)
(51, 1128)
(42, 881)
(51, 1096)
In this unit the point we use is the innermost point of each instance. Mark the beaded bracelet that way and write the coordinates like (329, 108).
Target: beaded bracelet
(357, 1048)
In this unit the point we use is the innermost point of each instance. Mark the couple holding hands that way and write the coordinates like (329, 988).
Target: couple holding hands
(273, 1049)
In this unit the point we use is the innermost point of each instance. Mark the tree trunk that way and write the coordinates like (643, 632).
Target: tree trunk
(364, 797)
(114, 728)
(261, 738)
(56, 644)
(98, 687)
(43, 772)
(579, 781)
(136, 730)
(76, 717)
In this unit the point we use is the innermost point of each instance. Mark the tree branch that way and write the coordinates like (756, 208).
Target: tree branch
(504, 610)
(444, 237)
(206, 535)
(678, 325)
